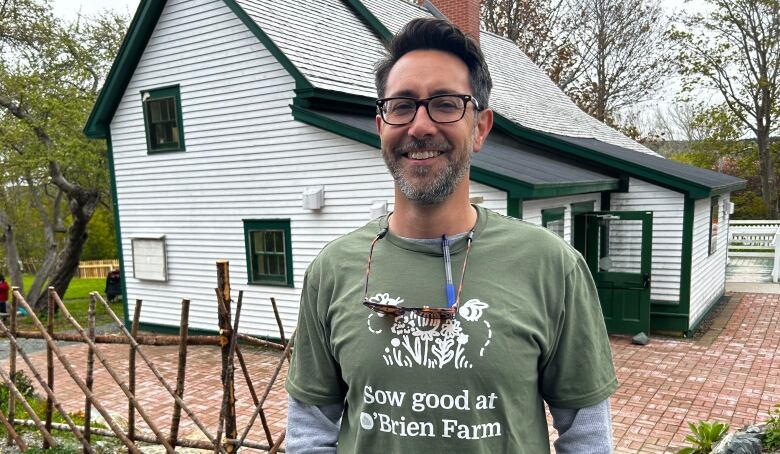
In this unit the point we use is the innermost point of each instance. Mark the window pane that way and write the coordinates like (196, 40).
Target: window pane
(162, 123)
(556, 227)
(257, 242)
(268, 254)
(154, 111)
(624, 250)
(281, 268)
(170, 110)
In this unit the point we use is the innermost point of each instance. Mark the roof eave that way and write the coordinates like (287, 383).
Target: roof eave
(513, 186)
(694, 190)
(133, 45)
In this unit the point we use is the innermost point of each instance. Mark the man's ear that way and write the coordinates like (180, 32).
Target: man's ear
(378, 121)
(483, 127)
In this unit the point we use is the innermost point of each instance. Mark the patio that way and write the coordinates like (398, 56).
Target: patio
(730, 374)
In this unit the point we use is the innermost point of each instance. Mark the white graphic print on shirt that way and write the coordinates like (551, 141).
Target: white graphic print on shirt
(431, 343)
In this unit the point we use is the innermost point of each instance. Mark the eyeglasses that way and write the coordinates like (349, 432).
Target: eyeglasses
(427, 312)
(441, 108)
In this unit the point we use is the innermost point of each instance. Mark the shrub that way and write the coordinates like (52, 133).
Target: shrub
(772, 432)
(705, 434)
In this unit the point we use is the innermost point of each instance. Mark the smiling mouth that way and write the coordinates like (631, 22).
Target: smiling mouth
(422, 155)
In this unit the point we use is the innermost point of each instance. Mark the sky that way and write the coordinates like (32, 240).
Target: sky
(67, 9)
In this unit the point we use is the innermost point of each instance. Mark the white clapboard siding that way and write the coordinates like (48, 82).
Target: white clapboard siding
(708, 272)
(667, 207)
(532, 209)
(246, 158)
(493, 199)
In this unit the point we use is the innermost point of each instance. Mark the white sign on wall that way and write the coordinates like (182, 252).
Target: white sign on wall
(149, 260)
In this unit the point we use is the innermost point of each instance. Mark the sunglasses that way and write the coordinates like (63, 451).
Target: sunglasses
(426, 312)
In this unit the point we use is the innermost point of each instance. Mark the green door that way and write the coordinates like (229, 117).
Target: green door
(618, 250)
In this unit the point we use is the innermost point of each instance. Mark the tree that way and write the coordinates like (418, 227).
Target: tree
(735, 50)
(607, 55)
(542, 29)
(49, 79)
(624, 43)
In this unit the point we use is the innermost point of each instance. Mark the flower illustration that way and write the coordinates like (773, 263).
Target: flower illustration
(425, 334)
(451, 328)
(463, 338)
(404, 324)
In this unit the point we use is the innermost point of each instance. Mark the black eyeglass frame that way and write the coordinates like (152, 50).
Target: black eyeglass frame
(380, 103)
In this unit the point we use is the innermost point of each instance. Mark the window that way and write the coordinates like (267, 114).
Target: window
(714, 215)
(268, 252)
(149, 261)
(162, 119)
(552, 220)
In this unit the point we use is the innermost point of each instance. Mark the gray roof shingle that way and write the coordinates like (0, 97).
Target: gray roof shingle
(507, 157)
(324, 39)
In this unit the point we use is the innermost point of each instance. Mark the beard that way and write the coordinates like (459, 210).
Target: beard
(414, 183)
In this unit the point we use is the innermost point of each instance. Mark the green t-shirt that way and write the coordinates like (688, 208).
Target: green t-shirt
(529, 328)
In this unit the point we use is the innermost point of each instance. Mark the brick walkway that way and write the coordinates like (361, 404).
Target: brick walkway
(732, 374)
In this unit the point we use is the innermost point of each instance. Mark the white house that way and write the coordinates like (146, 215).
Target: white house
(244, 130)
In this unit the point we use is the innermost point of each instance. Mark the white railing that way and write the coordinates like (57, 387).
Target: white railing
(756, 239)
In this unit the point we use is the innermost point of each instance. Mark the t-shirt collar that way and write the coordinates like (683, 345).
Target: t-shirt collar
(456, 246)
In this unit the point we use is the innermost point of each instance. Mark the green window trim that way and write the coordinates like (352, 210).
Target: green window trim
(275, 252)
(163, 117)
(582, 207)
(712, 244)
(552, 215)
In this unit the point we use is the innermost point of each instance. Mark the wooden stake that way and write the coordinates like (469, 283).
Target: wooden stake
(198, 444)
(182, 365)
(278, 444)
(12, 365)
(260, 342)
(145, 339)
(162, 439)
(278, 321)
(152, 368)
(90, 371)
(12, 435)
(49, 362)
(69, 368)
(228, 408)
(268, 387)
(252, 393)
(49, 392)
(131, 370)
(41, 427)
(223, 301)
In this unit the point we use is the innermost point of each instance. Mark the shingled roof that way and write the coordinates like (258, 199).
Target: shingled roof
(330, 47)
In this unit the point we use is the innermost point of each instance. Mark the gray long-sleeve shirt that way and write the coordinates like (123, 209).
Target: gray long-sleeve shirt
(314, 429)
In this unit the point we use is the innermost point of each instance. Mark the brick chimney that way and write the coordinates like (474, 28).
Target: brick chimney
(463, 13)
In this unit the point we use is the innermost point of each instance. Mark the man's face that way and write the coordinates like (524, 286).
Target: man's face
(429, 160)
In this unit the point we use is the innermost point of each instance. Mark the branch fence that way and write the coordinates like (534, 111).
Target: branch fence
(226, 437)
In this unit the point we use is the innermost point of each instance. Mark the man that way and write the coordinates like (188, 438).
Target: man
(444, 327)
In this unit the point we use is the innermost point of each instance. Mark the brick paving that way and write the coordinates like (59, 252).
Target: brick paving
(732, 374)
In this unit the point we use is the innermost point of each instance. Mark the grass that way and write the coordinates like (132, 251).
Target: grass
(67, 442)
(76, 299)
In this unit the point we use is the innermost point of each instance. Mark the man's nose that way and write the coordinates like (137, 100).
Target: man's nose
(422, 125)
